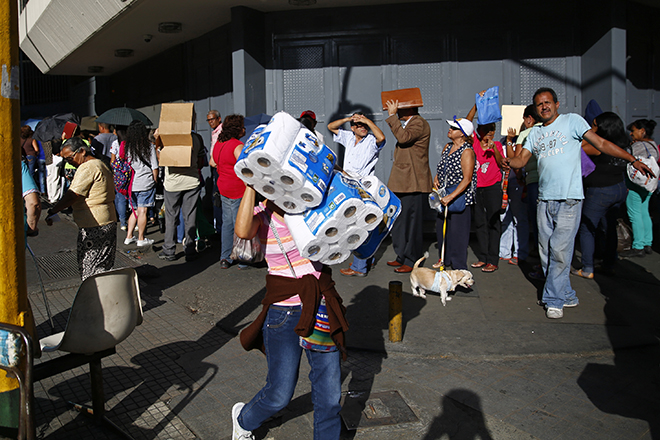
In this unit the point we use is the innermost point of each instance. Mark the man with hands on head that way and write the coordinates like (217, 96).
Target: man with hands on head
(410, 179)
(557, 145)
(362, 150)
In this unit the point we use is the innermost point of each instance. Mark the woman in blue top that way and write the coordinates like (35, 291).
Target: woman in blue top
(457, 166)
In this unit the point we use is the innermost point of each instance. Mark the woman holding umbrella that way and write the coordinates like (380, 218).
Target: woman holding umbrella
(91, 195)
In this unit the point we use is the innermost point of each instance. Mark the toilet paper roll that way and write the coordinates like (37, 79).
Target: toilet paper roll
(350, 210)
(353, 238)
(309, 195)
(308, 245)
(335, 255)
(290, 204)
(268, 150)
(377, 189)
(332, 230)
(288, 178)
(249, 174)
(269, 189)
(371, 216)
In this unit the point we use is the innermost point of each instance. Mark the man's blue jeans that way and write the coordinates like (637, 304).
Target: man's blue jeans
(558, 222)
(283, 353)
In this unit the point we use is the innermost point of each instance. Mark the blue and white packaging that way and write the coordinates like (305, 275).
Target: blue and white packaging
(391, 210)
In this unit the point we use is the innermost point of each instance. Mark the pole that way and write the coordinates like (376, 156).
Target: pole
(14, 308)
(396, 315)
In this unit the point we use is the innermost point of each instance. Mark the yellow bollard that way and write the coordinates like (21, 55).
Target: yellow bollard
(14, 308)
(396, 314)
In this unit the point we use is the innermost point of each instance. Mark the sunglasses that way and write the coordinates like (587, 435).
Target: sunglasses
(211, 119)
(69, 159)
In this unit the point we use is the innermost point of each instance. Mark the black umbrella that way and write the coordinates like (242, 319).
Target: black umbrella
(252, 122)
(123, 116)
(51, 127)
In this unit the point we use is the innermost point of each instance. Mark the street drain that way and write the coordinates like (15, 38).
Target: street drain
(385, 408)
(63, 265)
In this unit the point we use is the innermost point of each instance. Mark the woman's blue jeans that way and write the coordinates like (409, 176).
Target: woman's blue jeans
(229, 213)
(600, 207)
(283, 353)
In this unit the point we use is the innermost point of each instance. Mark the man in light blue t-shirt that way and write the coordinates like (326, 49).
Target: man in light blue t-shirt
(556, 144)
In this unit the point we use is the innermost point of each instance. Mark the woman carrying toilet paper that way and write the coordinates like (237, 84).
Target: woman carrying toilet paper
(302, 313)
(362, 150)
(230, 187)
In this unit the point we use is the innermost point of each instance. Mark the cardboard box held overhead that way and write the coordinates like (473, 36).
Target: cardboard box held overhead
(408, 98)
(174, 130)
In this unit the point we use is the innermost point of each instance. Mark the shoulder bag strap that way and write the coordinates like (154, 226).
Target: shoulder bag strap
(279, 242)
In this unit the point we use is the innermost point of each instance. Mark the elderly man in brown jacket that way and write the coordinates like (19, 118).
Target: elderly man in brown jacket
(410, 180)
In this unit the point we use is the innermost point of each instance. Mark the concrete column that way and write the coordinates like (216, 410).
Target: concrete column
(248, 61)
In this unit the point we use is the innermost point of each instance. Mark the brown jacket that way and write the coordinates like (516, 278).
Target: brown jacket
(310, 290)
(410, 171)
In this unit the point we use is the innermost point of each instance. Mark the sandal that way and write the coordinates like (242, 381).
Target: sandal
(513, 261)
(489, 268)
(478, 264)
(437, 265)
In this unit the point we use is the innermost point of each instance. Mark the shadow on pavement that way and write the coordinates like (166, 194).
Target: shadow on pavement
(630, 387)
(461, 418)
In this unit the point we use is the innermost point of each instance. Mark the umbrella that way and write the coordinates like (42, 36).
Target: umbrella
(31, 122)
(123, 116)
(51, 127)
(252, 122)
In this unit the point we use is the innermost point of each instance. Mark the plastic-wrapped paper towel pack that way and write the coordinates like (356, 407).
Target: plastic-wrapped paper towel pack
(340, 224)
(391, 208)
(286, 164)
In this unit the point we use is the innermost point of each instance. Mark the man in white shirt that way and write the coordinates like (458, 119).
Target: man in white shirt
(362, 150)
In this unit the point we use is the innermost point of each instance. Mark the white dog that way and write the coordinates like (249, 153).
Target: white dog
(423, 279)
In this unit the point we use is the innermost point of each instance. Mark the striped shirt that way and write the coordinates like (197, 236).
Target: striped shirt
(277, 264)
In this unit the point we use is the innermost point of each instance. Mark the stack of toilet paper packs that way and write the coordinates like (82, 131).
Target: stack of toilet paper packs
(328, 213)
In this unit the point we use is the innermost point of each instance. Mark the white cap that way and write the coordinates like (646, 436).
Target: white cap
(465, 125)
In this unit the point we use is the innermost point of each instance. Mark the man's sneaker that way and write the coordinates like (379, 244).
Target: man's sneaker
(123, 227)
(166, 257)
(572, 303)
(145, 242)
(553, 313)
(239, 433)
(130, 240)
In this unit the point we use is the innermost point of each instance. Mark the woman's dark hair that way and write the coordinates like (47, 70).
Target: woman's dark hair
(485, 129)
(647, 124)
(530, 110)
(232, 128)
(306, 122)
(137, 142)
(610, 127)
(121, 133)
(26, 132)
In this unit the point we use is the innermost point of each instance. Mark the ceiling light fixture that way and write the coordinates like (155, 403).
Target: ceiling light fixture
(170, 27)
(123, 53)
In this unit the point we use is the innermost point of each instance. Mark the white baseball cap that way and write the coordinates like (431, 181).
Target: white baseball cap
(465, 125)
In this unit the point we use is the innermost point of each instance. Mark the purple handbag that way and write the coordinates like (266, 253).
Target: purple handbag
(588, 165)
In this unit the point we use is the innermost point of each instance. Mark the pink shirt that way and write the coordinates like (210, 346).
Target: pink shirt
(277, 264)
(488, 172)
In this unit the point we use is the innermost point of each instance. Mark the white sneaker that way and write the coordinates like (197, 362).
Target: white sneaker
(553, 313)
(145, 242)
(239, 433)
(130, 240)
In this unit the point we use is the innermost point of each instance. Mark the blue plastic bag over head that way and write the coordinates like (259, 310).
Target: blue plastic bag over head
(488, 106)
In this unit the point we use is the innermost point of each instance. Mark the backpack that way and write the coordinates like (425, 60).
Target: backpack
(122, 172)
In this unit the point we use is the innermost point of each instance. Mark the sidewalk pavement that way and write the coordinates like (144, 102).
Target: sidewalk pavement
(488, 365)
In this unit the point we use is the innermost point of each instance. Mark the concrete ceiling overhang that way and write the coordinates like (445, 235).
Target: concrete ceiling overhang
(67, 37)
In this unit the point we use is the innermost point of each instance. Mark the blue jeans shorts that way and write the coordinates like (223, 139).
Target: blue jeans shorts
(144, 199)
